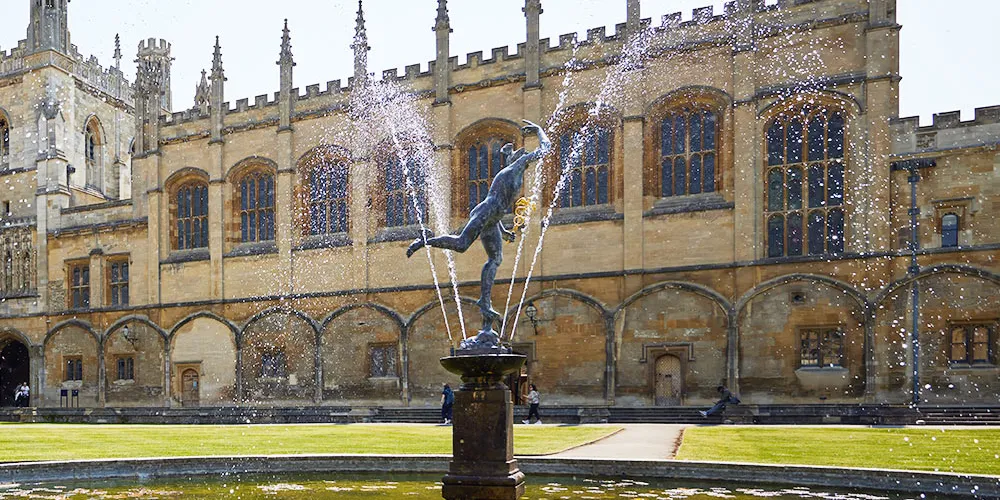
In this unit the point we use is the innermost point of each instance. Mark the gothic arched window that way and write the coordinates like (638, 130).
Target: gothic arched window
(26, 271)
(484, 161)
(92, 153)
(327, 197)
(4, 140)
(405, 191)
(192, 216)
(688, 151)
(804, 195)
(585, 160)
(256, 206)
(8, 272)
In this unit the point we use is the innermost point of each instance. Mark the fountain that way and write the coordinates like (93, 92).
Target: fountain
(483, 464)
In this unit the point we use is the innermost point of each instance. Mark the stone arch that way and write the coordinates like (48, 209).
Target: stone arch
(279, 360)
(134, 365)
(280, 310)
(69, 323)
(954, 301)
(427, 341)
(688, 321)
(362, 348)
(208, 315)
(207, 343)
(388, 311)
(933, 270)
(18, 335)
(133, 318)
(184, 174)
(251, 161)
(854, 293)
(816, 334)
(570, 340)
(72, 340)
(841, 100)
(430, 306)
(597, 305)
(695, 288)
(17, 355)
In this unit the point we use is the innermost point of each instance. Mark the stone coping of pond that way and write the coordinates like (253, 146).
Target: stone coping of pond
(968, 485)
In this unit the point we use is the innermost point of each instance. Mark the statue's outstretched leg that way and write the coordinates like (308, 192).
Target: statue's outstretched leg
(459, 243)
(493, 243)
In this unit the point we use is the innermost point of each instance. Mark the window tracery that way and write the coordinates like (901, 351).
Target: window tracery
(804, 193)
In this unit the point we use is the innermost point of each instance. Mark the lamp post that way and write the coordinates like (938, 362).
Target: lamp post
(130, 336)
(531, 311)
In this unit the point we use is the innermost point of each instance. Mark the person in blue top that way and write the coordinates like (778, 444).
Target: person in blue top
(726, 397)
(447, 402)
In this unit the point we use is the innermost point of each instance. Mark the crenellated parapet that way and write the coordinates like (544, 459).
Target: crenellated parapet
(88, 70)
(704, 28)
(947, 131)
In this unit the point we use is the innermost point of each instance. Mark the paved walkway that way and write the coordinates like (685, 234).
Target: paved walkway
(634, 441)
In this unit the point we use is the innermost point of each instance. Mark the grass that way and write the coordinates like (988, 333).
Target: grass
(36, 442)
(975, 451)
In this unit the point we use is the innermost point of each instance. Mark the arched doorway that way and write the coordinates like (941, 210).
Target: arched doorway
(14, 369)
(189, 388)
(669, 381)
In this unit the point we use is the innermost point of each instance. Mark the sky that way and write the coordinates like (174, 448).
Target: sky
(948, 48)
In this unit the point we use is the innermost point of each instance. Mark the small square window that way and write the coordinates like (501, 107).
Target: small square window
(382, 360)
(272, 364)
(971, 343)
(72, 368)
(126, 368)
(822, 347)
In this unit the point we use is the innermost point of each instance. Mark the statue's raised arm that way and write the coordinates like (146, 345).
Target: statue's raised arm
(544, 145)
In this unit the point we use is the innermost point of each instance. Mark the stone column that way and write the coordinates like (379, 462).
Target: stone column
(96, 278)
(216, 218)
(532, 52)
(285, 207)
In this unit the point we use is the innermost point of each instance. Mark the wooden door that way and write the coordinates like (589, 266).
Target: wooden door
(189, 387)
(669, 381)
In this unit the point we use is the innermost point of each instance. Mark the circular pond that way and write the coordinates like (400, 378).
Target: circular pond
(416, 487)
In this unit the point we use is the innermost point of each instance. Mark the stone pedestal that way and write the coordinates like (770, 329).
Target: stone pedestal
(483, 465)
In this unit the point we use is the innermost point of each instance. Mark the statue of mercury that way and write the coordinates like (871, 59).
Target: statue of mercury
(485, 224)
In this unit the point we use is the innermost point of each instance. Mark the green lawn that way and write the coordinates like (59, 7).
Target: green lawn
(33, 442)
(930, 449)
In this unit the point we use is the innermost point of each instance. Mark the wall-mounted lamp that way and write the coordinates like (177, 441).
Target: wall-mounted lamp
(130, 336)
(531, 311)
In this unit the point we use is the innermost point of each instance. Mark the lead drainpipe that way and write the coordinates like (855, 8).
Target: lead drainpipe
(913, 270)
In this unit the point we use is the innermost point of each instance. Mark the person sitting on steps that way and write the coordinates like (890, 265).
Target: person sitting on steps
(727, 397)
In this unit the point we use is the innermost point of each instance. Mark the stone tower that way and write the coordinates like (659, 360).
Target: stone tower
(48, 28)
(152, 92)
(160, 55)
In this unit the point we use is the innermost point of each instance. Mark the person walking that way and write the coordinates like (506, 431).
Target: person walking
(726, 397)
(533, 400)
(22, 395)
(447, 402)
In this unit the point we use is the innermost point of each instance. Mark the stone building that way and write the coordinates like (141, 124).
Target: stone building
(741, 214)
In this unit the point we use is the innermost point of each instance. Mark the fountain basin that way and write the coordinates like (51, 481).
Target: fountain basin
(483, 368)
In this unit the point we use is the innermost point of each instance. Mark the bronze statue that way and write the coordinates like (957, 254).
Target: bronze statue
(484, 223)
